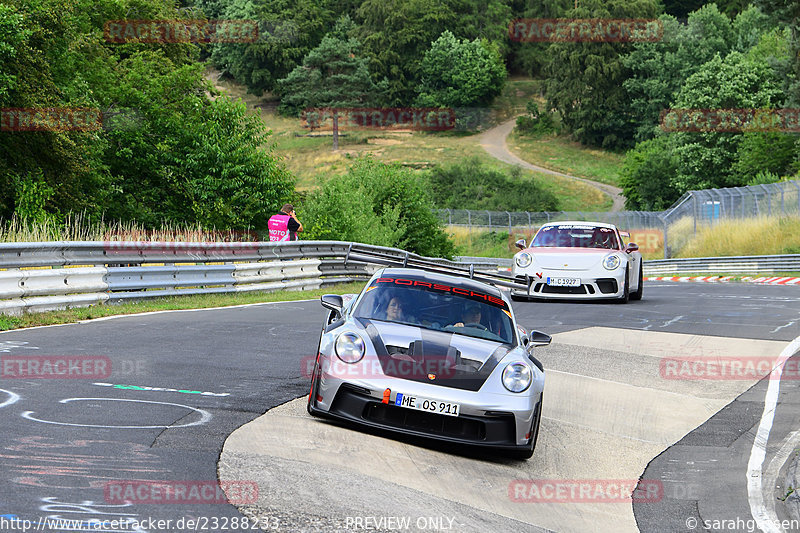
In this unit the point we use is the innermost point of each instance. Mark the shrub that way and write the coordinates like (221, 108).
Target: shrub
(471, 185)
(536, 122)
(376, 203)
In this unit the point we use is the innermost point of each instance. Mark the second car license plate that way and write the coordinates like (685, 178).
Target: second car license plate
(564, 282)
(426, 404)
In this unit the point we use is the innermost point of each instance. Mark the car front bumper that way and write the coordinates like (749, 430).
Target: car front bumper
(609, 286)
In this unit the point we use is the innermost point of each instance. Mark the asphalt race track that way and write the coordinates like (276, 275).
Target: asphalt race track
(180, 383)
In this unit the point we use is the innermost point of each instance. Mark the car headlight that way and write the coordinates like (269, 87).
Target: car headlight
(523, 259)
(517, 377)
(611, 262)
(349, 347)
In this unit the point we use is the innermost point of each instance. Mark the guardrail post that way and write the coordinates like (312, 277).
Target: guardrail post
(509, 222)
(490, 217)
(529, 220)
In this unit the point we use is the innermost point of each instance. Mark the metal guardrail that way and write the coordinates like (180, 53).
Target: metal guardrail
(757, 264)
(56, 275)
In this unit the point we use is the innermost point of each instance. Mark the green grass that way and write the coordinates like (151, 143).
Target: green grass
(559, 153)
(199, 301)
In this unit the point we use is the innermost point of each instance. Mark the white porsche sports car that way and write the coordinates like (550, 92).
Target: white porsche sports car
(579, 260)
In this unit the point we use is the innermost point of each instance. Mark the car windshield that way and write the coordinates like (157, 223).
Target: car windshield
(440, 307)
(576, 236)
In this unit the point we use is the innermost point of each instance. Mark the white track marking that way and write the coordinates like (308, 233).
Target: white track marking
(675, 319)
(12, 398)
(205, 415)
(758, 453)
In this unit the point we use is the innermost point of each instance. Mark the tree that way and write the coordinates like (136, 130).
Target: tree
(658, 69)
(585, 79)
(189, 158)
(288, 31)
(646, 176)
(530, 58)
(459, 73)
(396, 34)
(333, 75)
(170, 147)
(706, 159)
(764, 152)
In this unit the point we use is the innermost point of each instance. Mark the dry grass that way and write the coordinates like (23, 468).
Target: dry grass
(753, 236)
(78, 228)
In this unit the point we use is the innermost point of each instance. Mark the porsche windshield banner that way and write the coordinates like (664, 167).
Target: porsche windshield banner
(438, 287)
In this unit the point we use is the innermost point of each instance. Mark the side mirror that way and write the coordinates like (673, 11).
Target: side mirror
(540, 339)
(631, 247)
(334, 302)
(521, 244)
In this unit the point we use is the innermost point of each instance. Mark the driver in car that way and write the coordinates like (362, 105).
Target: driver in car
(472, 316)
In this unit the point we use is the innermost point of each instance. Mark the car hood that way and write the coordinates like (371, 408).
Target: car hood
(439, 357)
(568, 258)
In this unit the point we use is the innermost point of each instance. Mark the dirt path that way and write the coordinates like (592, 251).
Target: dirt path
(494, 142)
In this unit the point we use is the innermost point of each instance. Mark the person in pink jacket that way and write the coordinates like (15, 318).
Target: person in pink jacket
(284, 226)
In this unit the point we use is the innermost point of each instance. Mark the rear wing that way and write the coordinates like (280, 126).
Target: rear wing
(405, 259)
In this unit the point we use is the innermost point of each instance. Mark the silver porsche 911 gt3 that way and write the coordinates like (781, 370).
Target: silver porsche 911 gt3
(434, 355)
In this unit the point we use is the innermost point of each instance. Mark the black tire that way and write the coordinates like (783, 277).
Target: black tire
(640, 289)
(527, 451)
(626, 293)
(312, 394)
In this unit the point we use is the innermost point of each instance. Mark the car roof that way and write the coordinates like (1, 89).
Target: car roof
(580, 223)
(434, 277)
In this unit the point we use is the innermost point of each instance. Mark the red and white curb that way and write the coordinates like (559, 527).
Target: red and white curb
(723, 279)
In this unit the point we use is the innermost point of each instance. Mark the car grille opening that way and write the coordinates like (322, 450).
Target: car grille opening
(607, 285)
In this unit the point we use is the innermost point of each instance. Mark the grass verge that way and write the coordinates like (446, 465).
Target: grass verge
(199, 301)
(561, 154)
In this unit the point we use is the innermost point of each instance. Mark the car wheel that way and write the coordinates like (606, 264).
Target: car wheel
(640, 289)
(527, 451)
(626, 292)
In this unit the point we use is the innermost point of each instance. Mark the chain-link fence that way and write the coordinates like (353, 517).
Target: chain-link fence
(659, 230)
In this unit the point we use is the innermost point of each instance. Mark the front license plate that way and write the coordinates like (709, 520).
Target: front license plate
(426, 404)
(564, 282)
